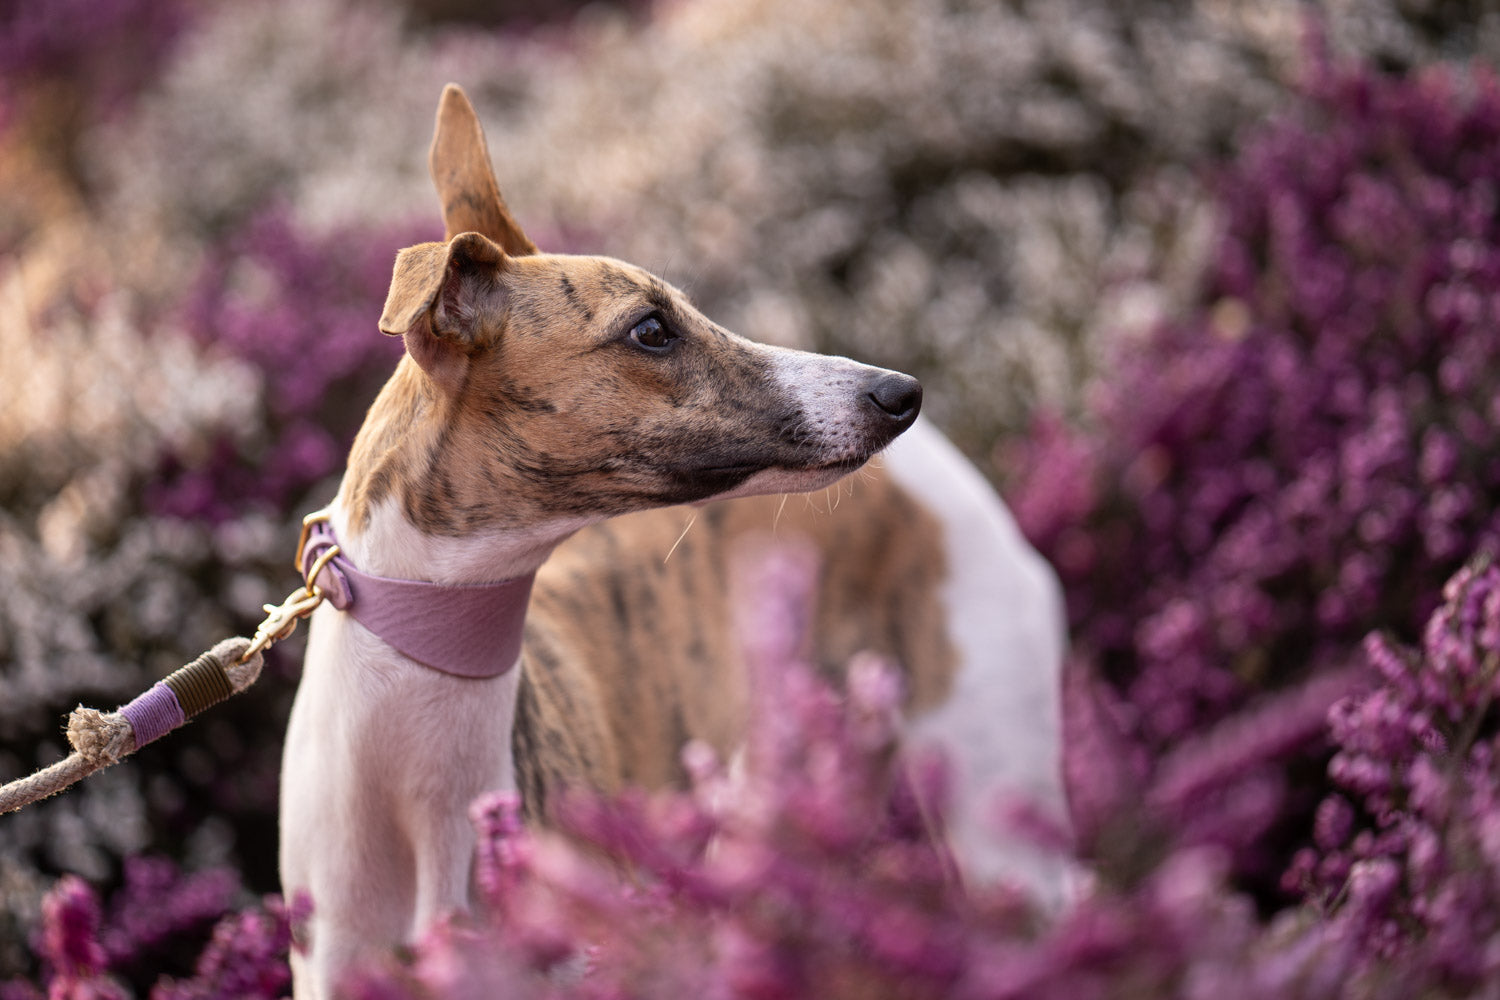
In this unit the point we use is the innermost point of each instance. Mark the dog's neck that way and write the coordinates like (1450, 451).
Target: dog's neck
(389, 462)
(390, 545)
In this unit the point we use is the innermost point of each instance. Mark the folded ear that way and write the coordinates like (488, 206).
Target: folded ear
(459, 162)
(449, 291)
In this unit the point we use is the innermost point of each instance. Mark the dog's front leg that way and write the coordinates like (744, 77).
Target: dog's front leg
(458, 747)
(341, 840)
(360, 879)
(382, 759)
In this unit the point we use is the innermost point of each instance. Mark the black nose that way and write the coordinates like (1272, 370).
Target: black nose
(896, 395)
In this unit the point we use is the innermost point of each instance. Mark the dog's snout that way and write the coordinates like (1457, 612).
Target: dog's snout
(897, 396)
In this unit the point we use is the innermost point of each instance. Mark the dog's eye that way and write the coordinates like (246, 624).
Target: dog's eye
(652, 334)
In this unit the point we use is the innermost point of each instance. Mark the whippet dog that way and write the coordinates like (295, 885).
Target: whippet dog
(502, 614)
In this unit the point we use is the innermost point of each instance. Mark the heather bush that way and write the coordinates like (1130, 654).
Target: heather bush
(1311, 453)
(96, 601)
(1405, 849)
(245, 198)
(172, 935)
(809, 873)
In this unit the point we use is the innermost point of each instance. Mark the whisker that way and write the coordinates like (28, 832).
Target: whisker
(685, 529)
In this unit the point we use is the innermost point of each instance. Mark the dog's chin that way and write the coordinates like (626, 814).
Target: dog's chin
(783, 480)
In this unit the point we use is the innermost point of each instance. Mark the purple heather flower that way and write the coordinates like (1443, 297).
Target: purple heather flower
(157, 911)
(68, 945)
(158, 902)
(1403, 855)
(245, 959)
(69, 938)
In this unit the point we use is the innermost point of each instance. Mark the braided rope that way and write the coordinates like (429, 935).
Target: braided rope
(100, 739)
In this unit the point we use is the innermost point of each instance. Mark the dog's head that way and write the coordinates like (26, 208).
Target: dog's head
(596, 384)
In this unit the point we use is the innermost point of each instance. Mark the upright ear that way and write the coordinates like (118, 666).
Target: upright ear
(459, 162)
(450, 292)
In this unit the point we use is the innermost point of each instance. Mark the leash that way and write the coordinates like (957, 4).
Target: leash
(466, 630)
(100, 739)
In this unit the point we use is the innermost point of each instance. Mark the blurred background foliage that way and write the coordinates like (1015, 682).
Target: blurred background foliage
(1043, 209)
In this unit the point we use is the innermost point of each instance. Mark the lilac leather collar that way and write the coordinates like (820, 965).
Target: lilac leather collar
(471, 630)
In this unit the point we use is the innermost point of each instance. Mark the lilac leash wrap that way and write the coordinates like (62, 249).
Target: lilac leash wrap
(154, 714)
(169, 703)
(467, 630)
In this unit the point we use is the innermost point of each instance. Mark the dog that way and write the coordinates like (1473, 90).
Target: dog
(532, 449)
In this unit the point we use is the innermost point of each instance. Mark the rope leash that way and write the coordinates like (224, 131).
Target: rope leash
(100, 739)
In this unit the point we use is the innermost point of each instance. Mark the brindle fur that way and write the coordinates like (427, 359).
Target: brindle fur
(628, 654)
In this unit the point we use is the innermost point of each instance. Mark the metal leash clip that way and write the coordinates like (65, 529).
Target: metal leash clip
(281, 619)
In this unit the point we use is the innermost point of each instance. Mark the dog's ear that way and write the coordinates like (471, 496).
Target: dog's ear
(443, 297)
(459, 162)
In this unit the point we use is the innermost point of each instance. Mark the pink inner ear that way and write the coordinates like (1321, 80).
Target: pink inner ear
(470, 295)
(454, 285)
(451, 306)
(442, 359)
